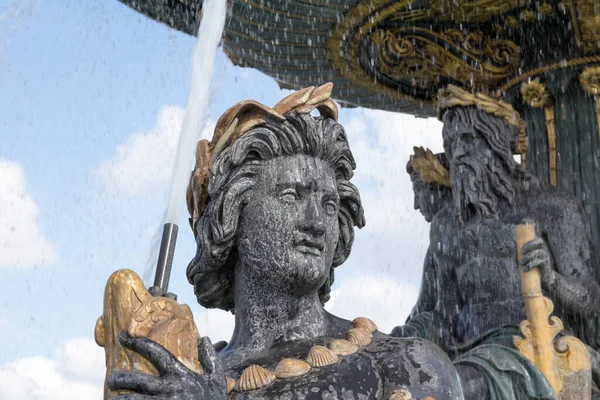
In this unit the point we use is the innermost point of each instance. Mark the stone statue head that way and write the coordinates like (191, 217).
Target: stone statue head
(480, 135)
(430, 180)
(277, 199)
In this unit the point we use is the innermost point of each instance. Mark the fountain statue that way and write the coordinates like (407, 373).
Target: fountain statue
(507, 241)
(394, 55)
(273, 211)
(431, 185)
(479, 302)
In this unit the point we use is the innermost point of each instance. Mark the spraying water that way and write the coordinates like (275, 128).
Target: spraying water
(209, 36)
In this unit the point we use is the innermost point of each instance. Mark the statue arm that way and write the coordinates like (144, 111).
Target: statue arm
(438, 324)
(428, 292)
(421, 318)
(570, 278)
(447, 306)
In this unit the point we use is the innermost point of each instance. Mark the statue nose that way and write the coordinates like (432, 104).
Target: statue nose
(313, 219)
(314, 227)
(459, 153)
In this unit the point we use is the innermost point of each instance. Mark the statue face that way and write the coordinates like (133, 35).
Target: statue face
(426, 198)
(462, 143)
(289, 226)
(473, 167)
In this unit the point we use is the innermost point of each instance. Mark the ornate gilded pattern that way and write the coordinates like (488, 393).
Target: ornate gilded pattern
(566, 362)
(537, 96)
(590, 82)
(586, 23)
(296, 60)
(411, 57)
(472, 10)
(424, 57)
(343, 45)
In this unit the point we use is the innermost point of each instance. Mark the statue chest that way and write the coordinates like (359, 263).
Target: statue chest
(481, 256)
(373, 371)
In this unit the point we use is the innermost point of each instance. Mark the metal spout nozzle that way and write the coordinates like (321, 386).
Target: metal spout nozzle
(165, 260)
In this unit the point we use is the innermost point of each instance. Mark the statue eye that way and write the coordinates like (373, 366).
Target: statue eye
(288, 195)
(330, 207)
(468, 138)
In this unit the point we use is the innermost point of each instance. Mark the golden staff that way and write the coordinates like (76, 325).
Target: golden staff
(565, 362)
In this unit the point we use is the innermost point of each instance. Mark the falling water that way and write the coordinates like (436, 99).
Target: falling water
(209, 36)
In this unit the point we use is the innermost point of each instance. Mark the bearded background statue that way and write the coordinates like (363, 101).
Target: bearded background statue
(479, 299)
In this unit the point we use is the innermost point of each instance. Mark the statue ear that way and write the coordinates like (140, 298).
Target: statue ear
(344, 244)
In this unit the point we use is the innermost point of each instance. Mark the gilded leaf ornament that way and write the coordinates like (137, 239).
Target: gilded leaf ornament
(240, 119)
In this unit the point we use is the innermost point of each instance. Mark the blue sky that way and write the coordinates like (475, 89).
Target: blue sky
(91, 94)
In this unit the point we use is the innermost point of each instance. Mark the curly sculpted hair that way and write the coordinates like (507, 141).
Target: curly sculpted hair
(232, 178)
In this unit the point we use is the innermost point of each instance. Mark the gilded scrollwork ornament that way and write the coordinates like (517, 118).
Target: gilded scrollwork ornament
(411, 61)
(536, 95)
(472, 10)
(586, 22)
(425, 57)
(590, 82)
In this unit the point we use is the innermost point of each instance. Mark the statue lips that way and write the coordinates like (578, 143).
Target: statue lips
(308, 245)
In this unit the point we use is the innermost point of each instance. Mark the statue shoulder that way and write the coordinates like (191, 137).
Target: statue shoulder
(427, 364)
(552, 203)
(442, 217)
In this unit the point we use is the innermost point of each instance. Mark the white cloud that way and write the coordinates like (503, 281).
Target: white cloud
(382, 143)
(396, 236)
(75, 372)
(216, 324)
(82, 358)
(21, 242)
(384, 301)
(145, 159)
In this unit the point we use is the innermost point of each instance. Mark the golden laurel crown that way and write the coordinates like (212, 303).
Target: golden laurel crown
(428, 167)
(240, 119)
(453, 96)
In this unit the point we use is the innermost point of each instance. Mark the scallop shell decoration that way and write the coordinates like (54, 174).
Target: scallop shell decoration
(230, 384)
(254, 377)
(364, 323)
(320, 356)
(401, 394)
(291, 368)
(359, 337)
(342, 347)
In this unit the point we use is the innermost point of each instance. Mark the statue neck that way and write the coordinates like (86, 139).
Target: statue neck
(265, 315)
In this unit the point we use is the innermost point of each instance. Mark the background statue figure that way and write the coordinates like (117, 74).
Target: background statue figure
(479, 299)
(273, 211)
(431, 185)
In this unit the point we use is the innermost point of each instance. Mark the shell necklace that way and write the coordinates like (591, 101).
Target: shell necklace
(255, 376)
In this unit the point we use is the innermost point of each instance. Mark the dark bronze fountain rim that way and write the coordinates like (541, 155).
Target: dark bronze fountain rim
(394, 55)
